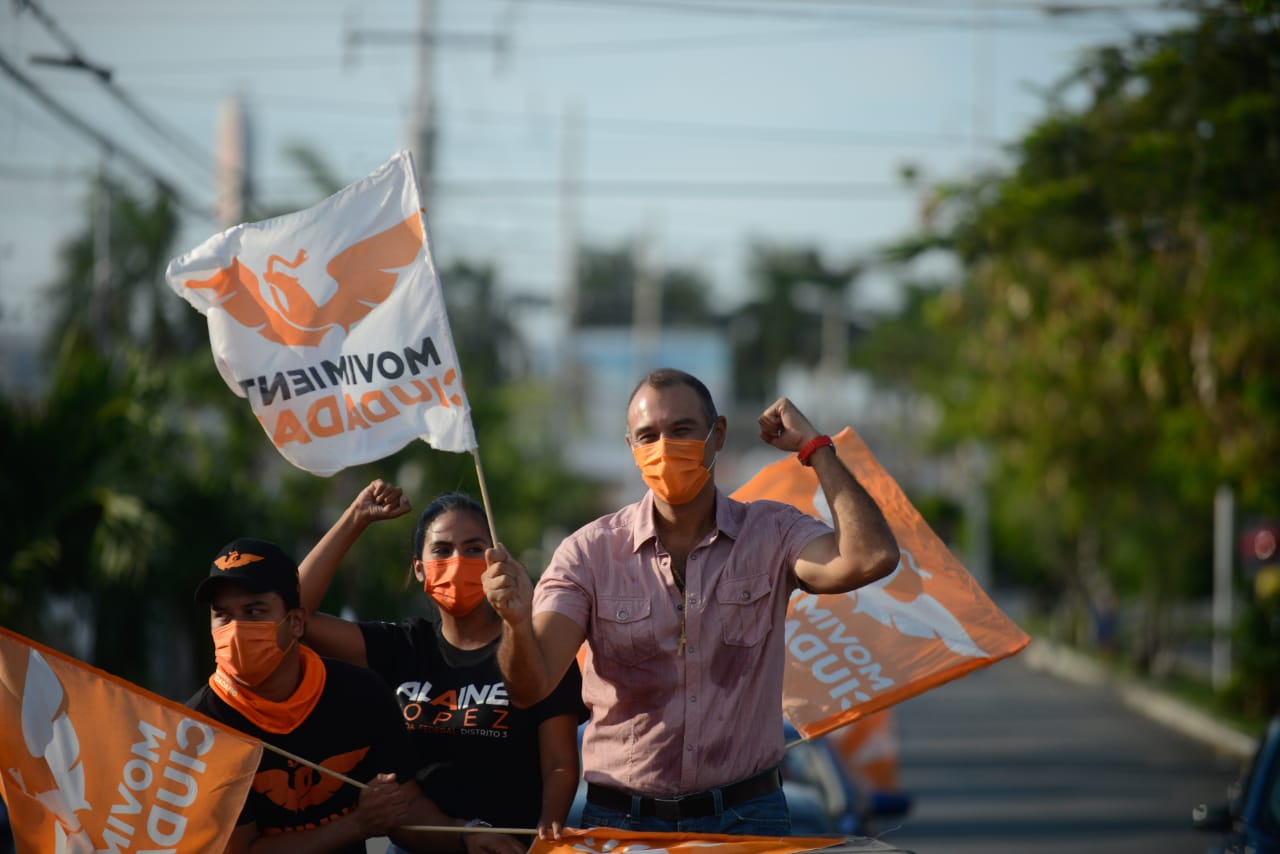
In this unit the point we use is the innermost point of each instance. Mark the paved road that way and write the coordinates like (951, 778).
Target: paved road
(1010, 761)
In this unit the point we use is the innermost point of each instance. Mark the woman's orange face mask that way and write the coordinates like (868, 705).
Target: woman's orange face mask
(454, 583)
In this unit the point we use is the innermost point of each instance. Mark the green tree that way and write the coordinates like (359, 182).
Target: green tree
(1108, 332)
(112, 294)
(794, 288)
(607, 281)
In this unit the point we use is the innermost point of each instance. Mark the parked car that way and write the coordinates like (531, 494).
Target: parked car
(1250, 819)
(814, 766)
(822, 799)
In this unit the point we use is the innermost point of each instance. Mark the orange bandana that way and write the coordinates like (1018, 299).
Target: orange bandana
(274, 717)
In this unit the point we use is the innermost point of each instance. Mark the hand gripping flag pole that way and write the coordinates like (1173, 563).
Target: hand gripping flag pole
(432, 828)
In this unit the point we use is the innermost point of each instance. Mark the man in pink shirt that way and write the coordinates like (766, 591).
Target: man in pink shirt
(681, 598)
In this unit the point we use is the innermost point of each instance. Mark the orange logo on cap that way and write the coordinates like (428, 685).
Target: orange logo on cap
(285, 312)
(232, 559)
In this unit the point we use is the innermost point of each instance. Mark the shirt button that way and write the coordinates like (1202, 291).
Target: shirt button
(693, 699)
(689, 747)
(622, 614)
(693, 557)
(680, 607)
(745, 595)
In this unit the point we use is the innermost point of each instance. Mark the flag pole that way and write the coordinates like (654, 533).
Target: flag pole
(313, 766)
(484, 496)
(423, 827)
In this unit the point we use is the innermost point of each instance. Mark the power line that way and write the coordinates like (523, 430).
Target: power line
(642, 188)
(791, 12)
(192, 150)
(722, 40)
(641, 125)
(106, 143)
(31, 174)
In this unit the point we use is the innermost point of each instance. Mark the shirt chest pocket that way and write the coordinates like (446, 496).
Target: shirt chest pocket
(626, 629)
(744, 609)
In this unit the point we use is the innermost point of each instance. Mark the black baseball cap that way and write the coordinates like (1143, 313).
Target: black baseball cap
(256, 565)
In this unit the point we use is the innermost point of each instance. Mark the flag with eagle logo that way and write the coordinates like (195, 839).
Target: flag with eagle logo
(90, 762)
(331, 321)
(926, 623)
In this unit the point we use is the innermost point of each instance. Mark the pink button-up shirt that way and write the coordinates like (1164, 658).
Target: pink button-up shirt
(663, 723)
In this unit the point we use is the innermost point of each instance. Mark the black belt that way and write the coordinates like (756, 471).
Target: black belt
(694, 805)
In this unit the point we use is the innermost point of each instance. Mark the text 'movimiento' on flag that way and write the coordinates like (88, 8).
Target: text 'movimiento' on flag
(331, 321)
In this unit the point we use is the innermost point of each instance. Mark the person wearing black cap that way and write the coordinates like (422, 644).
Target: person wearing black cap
(341, 717)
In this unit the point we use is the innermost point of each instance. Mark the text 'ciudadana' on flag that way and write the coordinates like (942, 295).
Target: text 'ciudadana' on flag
(89, 762)
(928, 622)
(331, 321)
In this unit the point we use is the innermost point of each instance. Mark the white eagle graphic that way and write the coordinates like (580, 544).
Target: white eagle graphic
(920, 617)
(49, 735)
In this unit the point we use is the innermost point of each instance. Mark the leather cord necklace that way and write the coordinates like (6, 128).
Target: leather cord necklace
(684, 604)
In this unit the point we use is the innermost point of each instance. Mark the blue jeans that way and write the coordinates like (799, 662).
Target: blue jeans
(766, 815)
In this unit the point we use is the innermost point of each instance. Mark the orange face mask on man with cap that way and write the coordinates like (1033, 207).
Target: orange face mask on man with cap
(249, 650)
(251, 579)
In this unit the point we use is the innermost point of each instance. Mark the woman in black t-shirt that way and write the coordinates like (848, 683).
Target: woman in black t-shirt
(477, 754)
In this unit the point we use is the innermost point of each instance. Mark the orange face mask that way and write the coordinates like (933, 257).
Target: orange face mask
(247, 651)
(454, 583)
(673, 467)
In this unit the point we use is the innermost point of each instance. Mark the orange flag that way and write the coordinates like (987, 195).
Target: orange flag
(89, 762)
(607, 839)
(929, 622)
(868, 749)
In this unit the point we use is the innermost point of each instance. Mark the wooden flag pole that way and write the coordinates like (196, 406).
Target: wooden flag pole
(420, 827)
(525, 831)
(484, 496)
(313, 766)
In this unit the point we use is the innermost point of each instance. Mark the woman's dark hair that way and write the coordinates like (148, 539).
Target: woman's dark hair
(443, 503)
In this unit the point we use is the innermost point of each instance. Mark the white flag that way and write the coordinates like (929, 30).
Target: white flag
(332, 323)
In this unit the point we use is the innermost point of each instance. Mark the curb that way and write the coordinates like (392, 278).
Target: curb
(1065, 663)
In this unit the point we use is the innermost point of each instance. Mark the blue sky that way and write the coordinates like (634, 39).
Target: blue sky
(701, 125)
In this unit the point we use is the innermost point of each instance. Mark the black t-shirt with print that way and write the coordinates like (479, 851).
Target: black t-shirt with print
(353, 729)
(478, 754)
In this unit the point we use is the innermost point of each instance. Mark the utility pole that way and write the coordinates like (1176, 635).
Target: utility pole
(983, 86)
(422, 121)
(422, 118)
(103, 272)
(646, 311)
(568, 314)
(1223, 534)
(232, 178)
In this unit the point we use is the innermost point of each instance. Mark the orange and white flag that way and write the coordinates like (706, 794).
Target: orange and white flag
(607, 839)
(89, 762)
(332, 323)
(928, 622)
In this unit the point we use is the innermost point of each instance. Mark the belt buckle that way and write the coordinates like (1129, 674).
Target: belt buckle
(693, 805)
(667, 809)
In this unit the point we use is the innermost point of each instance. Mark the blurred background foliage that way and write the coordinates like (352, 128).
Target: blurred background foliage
(1099, 316)
(1110, 331)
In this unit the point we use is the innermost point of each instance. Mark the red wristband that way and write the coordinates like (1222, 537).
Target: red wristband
(812, 445)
